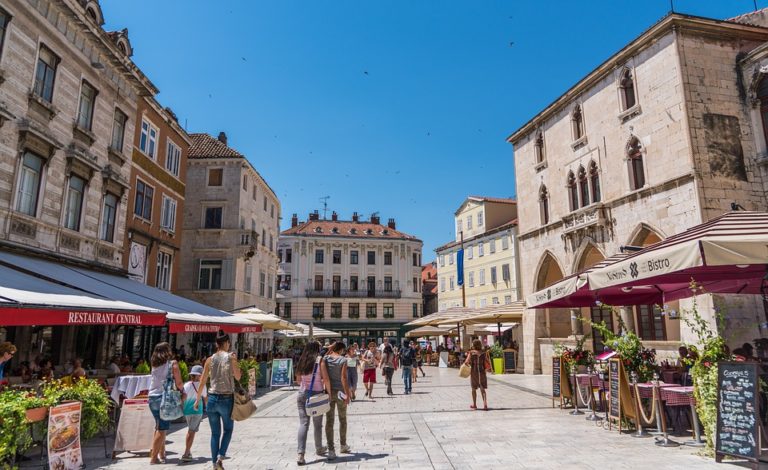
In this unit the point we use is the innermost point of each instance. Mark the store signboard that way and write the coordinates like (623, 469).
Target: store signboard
(64, 451)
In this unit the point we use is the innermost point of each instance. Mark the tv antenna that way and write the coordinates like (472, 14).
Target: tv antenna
(324, 200)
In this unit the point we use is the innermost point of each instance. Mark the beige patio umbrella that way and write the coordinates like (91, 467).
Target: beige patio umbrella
(512, 312)
(302, 331)
(430, 331)
(451, 315)
(267, 320)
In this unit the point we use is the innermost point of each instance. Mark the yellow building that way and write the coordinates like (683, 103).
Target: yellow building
(488, 227)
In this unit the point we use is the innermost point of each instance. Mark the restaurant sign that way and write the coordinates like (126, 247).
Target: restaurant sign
(20, 316)
(554, 292)
(181, 327)
(646, 265)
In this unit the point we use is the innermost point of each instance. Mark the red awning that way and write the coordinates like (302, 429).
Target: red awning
(25, 316)
(184, 327)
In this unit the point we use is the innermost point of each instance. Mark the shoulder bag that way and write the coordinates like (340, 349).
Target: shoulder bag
(465, 370)
(243, 406)
(170, 403)
(319, 403)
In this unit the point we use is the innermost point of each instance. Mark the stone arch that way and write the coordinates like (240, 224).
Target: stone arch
(93, 11)
(548, 271)
(645, 235)
(588, 255)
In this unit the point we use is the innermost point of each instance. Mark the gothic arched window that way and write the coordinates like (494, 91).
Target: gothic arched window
(583, 187)
(594, 180)
(573, 191)
(627, 86)
(636, 167)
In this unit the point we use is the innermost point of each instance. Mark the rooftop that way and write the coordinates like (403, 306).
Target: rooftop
(347, 229)
(207, 146)
(504, 226)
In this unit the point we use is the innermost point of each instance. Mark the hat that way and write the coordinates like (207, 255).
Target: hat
(196, 370)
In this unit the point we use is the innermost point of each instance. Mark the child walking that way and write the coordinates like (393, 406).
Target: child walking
(192, 415)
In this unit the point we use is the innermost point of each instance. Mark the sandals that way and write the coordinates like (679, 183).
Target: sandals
(474, 407)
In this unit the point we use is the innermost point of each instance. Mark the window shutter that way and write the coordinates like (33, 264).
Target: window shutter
(227, 274)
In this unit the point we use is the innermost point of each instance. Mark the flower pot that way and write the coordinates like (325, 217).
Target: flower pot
(35, 415)
(498, 365)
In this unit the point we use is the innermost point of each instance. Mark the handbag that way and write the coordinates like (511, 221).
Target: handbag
(170, 403)
(317, 404)
(465, 370)
(243, 406)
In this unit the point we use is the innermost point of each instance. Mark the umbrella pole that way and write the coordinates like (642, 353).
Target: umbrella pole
(498, 327)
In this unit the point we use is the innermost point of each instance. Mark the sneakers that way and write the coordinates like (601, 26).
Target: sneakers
(186, 458)
(321, 451)
(300, 460)
(219, 465)
(331, 455)
(345, 449)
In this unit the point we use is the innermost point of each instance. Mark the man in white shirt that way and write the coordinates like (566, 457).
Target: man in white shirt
(383, 345)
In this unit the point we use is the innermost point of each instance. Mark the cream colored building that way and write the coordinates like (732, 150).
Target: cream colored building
(357, 277)
(664, 135)
(231, 224)
(491, 277)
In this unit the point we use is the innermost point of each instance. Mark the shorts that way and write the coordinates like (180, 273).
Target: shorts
(369, 376)
(154, 407)
(352, 378)
(193, 421)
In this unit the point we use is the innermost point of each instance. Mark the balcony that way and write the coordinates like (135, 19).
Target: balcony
(354, 294)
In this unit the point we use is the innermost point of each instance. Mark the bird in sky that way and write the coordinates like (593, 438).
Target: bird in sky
(365, 72)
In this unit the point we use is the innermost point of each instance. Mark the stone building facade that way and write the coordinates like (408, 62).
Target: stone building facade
(488, 227)
(658, 138)
(429, 287)
(231, 225)
(155, 219)
(64, 178)
(357, 277)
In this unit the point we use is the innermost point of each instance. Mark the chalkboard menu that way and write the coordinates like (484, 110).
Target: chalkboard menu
(510, 360)
(556, 361)
(738, 423)
(614, 406)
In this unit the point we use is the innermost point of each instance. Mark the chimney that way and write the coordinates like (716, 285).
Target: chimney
(355, 217)
(294, 220)
(391, 224)
(375, 219)
(223, 137)
(314, 215)
(334, 216)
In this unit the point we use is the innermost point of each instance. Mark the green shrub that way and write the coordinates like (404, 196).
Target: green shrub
(94, 399)
(184, 369)
(245, 366)
(496, 351)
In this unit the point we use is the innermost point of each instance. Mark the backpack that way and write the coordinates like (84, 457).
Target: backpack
(406, 357)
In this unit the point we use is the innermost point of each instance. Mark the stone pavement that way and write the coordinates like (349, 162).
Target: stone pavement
(432, 428)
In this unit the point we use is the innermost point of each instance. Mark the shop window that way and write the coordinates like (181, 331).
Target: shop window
(650, 323)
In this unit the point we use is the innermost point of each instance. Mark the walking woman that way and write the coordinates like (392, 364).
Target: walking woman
(335, 364)
(307, 366)
(163, 366)
(223, 369)
(388, 366)
(352, 370)
(370, 363)
(420, 356)
(479, 362)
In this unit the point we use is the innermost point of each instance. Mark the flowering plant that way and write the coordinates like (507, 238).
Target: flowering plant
(576, 356)
(630, 350)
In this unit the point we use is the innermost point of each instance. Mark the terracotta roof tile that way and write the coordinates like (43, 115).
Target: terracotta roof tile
(344, 228)
(207, 146)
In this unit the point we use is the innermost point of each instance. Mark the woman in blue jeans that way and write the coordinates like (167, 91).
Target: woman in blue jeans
(222, 368)
(162, 366)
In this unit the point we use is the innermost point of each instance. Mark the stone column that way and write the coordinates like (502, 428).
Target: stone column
(534, 327)
(628, 317)
(577, 327)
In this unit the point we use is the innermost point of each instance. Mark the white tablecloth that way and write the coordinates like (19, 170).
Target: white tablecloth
(130, 386)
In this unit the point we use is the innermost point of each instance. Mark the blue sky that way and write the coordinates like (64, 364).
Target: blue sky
(400, 106)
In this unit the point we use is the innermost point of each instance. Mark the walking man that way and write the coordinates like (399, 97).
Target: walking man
(407, 358)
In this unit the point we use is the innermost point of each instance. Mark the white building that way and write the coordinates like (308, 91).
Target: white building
(359, 278)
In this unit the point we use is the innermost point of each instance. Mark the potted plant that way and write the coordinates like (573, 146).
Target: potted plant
(35, 408)
(14, 426)
(245, 366)
(94, 399)
(497, 358)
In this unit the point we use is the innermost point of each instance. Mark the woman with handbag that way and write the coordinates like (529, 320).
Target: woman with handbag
(479, 363)
(223, 369)
(314, 387)
(165, 375)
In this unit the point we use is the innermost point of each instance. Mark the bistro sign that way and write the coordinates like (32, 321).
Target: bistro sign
(643, 266)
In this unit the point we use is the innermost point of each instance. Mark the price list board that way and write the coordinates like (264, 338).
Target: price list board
(738, 422)
(561, 389)
(614, 387)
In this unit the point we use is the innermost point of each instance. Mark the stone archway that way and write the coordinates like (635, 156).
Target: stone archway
(549, 271)
(590, 256)
(644, 235)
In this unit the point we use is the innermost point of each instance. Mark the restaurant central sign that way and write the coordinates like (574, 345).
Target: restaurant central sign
(21, 316)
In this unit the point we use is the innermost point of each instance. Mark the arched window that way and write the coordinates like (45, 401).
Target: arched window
(544, 205)
(594, 180)
(577, 123)
(583, 187)
(121, 46)
(635, 159)
(538, 148)
(762, 95)
(92, 14)
(573, 191)
(627, 86)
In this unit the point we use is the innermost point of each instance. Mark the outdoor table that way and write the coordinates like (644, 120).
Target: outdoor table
(645, 390)
(130, 386)
(683, 396)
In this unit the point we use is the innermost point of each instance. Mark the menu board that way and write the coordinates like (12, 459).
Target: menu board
(252, 382)
(136, 426)
(282, 372)
(556, 362)
(510, 360)
(64, 452)
(614, 405)
(738, 422)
